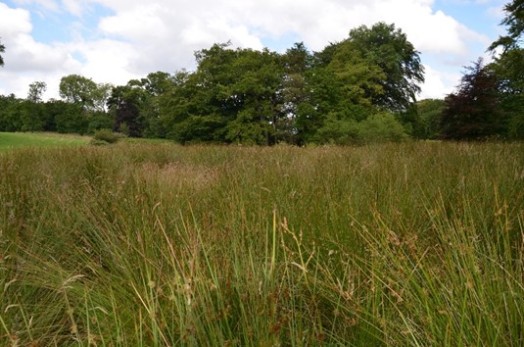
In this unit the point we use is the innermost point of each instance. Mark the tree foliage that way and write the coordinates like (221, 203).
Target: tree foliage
(474, 112)
(36, 90)
(389, 49)
(350, 92)
(514, 21)
(83, 91)
(509, 67)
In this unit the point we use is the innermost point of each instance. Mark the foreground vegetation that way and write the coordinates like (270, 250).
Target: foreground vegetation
(154, 245)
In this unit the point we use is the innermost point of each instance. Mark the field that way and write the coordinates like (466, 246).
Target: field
(414, 244)
(20, 140)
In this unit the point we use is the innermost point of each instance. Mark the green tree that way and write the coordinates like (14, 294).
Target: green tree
(297, 61)
(338, 85)
(81, 90)
(36, 90)
(508, 68)
(231, 97)
(68, 117)
(427, 121)
(388, 48)
(514, 21)
(152, 88)
(10, 119)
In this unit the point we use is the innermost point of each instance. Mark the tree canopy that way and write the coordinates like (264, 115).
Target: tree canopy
(474, 111)
(514, 21)
(346, 93)
(81, 90)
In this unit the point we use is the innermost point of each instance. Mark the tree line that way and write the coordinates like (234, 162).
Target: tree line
(362, 89)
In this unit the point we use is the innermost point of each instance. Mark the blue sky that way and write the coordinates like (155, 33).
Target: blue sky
(112, 41)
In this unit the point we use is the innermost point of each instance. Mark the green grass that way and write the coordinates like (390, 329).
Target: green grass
(415, 244)
(20, 140)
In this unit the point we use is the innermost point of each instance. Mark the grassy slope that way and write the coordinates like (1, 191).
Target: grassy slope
(154, 245)
(18, 140)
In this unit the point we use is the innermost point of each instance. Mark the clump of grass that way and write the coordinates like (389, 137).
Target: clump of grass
(105, 136)
(396, 245)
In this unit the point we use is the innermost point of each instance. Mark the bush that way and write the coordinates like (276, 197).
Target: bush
(381, 127)
(377, 128)
(106, 135)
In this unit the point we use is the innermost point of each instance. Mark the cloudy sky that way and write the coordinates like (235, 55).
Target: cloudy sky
(113, 41)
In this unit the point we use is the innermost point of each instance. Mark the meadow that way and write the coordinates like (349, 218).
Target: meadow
(21, 140)
(411, 244)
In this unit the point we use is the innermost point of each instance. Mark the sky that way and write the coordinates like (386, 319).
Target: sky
(113, 41)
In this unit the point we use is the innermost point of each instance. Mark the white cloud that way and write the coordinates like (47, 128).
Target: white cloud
(141, 37)
(45, 4)
(438, 83)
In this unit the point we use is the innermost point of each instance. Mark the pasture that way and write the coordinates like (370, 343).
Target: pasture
(39, 140)
(413, 244)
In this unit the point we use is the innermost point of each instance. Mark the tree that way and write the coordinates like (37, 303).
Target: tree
(389, 49)
(514, 21)
(81, 90)
(36, 90)
(10, 119)
(296, 61)
(124, 103)
(2, 50)
(427, 121)
(231, 97)
(338, 85)
(152, 88)
(474, 112)
(509, 68)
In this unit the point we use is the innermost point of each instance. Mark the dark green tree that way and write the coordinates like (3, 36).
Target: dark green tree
(67, 117)
(10, 113)
(427, 118)
(509, 68)
(125, 103)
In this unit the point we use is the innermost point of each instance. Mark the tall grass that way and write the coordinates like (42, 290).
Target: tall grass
(417, 244)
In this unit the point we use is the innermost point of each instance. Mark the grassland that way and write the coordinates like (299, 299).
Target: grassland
(39, 140)
(417, 244)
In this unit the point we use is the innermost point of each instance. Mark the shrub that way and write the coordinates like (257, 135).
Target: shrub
(107, 136)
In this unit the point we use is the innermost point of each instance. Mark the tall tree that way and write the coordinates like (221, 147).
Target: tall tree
(388, 48)
(514, 21)
(231, 97)
(474, 111)
(125, 103)
(509, 67)
(82, 90)
(152, 88)
(36, 90)
(338, 86)
(297, 61)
